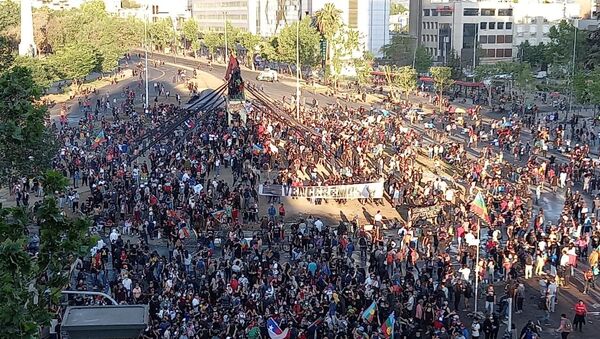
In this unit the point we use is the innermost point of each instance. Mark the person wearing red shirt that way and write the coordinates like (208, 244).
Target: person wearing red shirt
(580, 313)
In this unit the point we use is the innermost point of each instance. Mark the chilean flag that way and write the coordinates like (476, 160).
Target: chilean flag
(275, 332)
(190, 123)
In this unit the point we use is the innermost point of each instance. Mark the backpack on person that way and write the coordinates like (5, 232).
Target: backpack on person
(568, 326)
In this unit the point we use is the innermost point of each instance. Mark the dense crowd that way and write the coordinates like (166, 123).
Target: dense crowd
(214, 261)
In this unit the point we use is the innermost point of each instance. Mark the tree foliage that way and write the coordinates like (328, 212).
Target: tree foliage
(308, 43)
(442, 78)
(91, 25)
(76, 61)
(405, 78)
(9, 15)
(212, 41)
(30, 285)
(189, 32)
(398, 8)
(26, 146)
(364, 67)
(161, 33)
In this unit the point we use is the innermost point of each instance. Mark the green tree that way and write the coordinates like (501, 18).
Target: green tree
(190, 33)
(9, 15)
(536, 56)
(26, 146)
(454, 64)
(251, 43)
(31, 285)
(76, 61)
(6, 55)
(405, 79)
(130, 4)
(398, 8)
(560, 48)
(364, 67)
(308, 47)
(42, 71)
(212, 41)
(442, 78)
(161, 33)
(400, 51)
(582, 88)
(423, 60)
(329, 22)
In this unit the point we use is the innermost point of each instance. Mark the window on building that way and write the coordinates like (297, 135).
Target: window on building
(505, 12)
(508, 39)
(492, 25)
(483, 25)
(436, 25)
(483, 39)
(509, 25)
(508, 53)
(488, 12)
(499, 53)
(489, 53)
(500, 39)
(445, 12)
(501, 25)
(491, 39)
(426, 12)
(434, 12)
(471, 12)
(424, 25)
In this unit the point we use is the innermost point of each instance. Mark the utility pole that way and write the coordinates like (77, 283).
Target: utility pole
(226, 52)
(146, 108)
(474, 52)
(298, 67)
(573, 69)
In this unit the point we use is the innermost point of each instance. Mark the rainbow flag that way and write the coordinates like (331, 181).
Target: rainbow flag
(479, 208)
(100, 138)
(387, 328)
(369, 313)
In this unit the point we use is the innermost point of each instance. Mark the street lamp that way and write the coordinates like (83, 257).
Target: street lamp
(298, 60)
(146, 108)
(226, 52)
(573, 67)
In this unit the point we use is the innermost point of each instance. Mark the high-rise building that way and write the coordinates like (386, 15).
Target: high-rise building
(493, 29)
(267, 17)
(263, 17)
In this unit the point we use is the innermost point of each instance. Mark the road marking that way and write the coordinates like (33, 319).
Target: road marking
(156, 69)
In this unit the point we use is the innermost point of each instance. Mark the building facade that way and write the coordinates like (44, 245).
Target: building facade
(267, 17)
(489, 31)
(263, 17)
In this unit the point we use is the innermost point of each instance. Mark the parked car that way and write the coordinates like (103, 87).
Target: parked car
(267, 75)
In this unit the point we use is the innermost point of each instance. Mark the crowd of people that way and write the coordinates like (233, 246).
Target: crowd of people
(185, 229)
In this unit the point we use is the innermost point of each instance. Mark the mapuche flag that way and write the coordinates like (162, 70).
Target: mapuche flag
(387, 328)
(479, 208)
(100, 138)
(369, 313)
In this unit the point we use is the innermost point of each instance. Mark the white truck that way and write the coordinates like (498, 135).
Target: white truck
(267, 75)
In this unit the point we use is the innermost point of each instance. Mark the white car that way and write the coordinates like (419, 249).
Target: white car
(267, 75)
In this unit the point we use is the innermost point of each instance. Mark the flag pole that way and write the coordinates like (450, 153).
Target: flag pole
(477, 266)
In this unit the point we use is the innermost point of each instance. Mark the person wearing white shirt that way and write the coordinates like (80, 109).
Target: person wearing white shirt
(319, 225)
(465, 272)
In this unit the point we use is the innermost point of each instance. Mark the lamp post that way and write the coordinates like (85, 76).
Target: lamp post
(146, 108)
(573, 68)
(298, 69)
(226, 52)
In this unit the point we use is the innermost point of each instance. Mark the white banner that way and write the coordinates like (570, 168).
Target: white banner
(355, 191)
